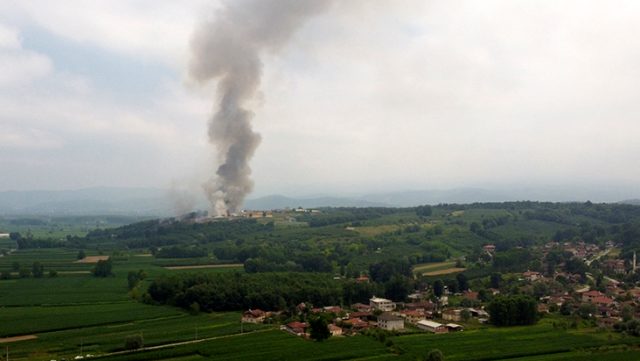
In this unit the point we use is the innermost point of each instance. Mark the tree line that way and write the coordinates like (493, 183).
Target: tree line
(269, 291)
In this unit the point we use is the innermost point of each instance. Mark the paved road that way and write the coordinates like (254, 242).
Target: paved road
(600, 255)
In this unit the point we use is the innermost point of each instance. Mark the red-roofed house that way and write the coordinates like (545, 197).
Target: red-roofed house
(532, 275)
(254, 316)
(602, 300)
(296, 328)
(591, 295)
(360, 315)
(357, 323)
(424, 305)
(361, 307)
(332, 309)
(470, 295)
(412, 316)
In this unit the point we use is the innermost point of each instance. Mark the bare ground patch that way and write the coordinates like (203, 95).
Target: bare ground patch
(92, 259)
(18, 338)
(230, 265)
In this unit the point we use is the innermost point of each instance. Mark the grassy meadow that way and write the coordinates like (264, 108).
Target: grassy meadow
(76, 313)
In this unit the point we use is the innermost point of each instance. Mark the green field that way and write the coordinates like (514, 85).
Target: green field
(541, 340)
(266, 346)
(75, 309)
(76, 312)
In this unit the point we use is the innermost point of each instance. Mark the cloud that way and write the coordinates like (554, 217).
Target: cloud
(458, 93)
(20, 66)
(27, 139)
(59, 122)
(395, 94)
(151, 30)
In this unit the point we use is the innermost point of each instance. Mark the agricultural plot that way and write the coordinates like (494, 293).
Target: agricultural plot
(176, 262)
(171, 327)
(600, 355)
(237, 266)
(438, 268)
(370, 231)
(539, 340)
(49, 318)
(18, 321)
(6, 243)
(63, 290)
(266, 346)
(58, 259)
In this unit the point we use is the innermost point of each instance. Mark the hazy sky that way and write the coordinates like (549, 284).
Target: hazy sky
(370, 95)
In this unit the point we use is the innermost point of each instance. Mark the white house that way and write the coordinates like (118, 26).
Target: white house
(381, 304)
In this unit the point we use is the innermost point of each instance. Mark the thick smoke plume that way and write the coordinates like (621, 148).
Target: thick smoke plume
(228, 49)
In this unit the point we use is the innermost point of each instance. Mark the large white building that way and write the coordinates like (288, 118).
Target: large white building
(381, 304)
(432, 326)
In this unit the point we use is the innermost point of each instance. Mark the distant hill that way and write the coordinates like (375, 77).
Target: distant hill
(89, 201)
(459, 195)
(279, 201)
(635, 202)
(158, 202)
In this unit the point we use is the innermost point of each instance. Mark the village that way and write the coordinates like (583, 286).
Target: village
(596, 293)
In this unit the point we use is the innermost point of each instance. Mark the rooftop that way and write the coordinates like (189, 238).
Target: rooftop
(429, 323)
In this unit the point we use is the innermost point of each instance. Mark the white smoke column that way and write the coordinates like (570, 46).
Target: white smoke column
(228, 49)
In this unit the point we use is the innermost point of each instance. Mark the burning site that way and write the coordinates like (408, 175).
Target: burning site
(227, 49)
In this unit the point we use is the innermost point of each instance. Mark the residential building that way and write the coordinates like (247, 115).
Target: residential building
(614, 266)
(532, 276)
(254, 316)
(470, 295)
(390, 322)
(452, 314)
(296, 328)
(591, 295)
(412, 316)
(381, 304)
(490, 248)
(335, 330)
(361, 307)
(356, 323)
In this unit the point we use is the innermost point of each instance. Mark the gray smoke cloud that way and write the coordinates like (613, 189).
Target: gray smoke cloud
(228, 49)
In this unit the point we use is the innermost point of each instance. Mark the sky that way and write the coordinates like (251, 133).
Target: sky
(368, 96)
